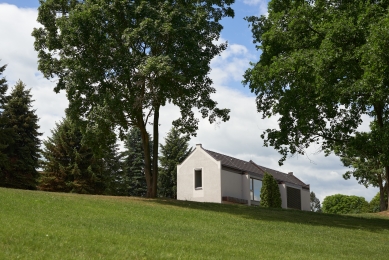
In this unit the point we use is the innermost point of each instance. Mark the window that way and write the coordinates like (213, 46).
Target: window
(293, 198)
(198, 179)
(255, 189)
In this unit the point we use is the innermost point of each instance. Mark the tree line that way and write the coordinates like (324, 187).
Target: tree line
(67, 162)
(323, 68)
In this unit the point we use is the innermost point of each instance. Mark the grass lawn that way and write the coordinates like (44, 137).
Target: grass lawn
(41, 225)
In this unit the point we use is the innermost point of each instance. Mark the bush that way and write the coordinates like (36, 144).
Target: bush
(270, 193)
(344, 204)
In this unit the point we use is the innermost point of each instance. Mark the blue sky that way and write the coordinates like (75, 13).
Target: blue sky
(239, 137)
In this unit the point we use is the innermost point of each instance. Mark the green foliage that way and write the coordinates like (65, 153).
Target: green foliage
(173, 153)
(315, 203)
(71, 165)
(364, 155)
(23, 154)
(270, 193)
(5, 133)
(138, 56)
(323, 66)
(134, 165)
(344, 204)
(375, 202)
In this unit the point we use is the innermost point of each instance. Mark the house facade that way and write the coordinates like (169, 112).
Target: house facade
(207, 176)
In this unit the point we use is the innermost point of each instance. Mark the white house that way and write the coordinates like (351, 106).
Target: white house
(208, 176)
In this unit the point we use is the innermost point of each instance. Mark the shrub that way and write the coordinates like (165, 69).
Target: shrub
(270, 193)
(344, 204)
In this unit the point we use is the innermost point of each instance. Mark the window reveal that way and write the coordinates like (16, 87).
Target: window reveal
(198, 179)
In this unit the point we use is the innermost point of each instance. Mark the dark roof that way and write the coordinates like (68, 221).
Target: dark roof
(254, 169)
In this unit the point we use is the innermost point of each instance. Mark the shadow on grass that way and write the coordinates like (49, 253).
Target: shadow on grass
(363, 222)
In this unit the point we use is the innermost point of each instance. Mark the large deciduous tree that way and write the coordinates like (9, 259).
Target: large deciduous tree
(363, 154)
(173, 152)
(23, 154)
(324, 65)
(121, 61)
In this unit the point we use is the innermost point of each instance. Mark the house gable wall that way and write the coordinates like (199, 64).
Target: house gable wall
(211, 180)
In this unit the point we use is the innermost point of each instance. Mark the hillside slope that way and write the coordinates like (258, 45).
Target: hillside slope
(41, 225)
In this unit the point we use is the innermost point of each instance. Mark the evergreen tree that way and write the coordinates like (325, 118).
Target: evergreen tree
(5, 136)
(173, 153)
(270, 193)
(315, 203)
(23, 154)
(134, 165)
(71, 165)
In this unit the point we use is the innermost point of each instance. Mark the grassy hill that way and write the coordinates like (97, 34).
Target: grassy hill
(40, 225)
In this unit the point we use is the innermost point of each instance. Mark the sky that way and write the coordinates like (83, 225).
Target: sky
(239, 137)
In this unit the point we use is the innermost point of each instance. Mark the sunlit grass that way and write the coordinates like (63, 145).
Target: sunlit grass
(40, 225)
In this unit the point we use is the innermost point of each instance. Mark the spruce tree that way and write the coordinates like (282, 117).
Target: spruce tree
(23, 154)
(175, 150)
(270, 193)
(134, 165)
(71, 165)
(5, 136)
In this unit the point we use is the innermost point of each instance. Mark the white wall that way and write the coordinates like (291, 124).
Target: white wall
(282, 188)
(232, 184)
(211, 183)
(305, 200)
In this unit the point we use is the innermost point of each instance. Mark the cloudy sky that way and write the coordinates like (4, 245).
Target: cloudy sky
(239, 137)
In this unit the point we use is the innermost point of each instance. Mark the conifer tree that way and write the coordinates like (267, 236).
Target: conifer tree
(71, 165)
(134, 165)
(23, 154)
(5, 137)
(173, 153)
(270, 193)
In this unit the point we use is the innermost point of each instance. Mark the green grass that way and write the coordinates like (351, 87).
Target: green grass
(40, 225)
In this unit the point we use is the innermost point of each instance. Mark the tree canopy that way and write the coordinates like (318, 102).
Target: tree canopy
(120, 61)
(324, 65)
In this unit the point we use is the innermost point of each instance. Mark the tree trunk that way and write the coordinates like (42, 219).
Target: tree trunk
(382, 193)
(155, 150)
(387, 186)
(147, 157)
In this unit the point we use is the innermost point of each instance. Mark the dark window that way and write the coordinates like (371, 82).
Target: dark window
(293, 198)
(198, 179)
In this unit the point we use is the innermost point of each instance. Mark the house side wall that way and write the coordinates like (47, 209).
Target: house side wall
(211, 169)
(305, 196)
(282, 188)
(246, 188)
(305, 200)
(232, 184)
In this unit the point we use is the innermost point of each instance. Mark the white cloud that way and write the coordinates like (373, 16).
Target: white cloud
(17, 51)
(239, 137)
